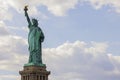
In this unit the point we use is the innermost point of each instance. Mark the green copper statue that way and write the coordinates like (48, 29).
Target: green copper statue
(35, 38)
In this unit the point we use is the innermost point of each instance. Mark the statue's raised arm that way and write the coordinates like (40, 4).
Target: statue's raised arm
(26, 14)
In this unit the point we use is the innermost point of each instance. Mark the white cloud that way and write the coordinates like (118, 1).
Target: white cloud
(97, 4)
(12, 48)
(56, 7)
(3, 29)
(72, 58)
(69, 61)
(97, 48)
(59, 7)
(4, 11)
(11, 77)
(13, 51)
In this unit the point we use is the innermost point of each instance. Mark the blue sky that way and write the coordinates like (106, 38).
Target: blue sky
(80, 35)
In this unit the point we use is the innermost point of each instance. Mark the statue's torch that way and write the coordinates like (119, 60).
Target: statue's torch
(26, 8)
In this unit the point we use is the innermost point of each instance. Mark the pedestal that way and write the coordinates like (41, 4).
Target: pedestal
(34, 73)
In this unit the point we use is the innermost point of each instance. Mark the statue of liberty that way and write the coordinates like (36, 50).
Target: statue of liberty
(35, 38)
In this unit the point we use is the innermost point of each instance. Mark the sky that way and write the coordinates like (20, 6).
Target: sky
(81, 38)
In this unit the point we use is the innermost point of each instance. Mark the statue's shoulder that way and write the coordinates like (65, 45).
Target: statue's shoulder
(38, 28)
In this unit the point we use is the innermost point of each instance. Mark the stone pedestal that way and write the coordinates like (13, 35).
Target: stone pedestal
(34, 73)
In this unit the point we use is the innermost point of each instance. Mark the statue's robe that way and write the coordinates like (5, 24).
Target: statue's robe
(35, 38)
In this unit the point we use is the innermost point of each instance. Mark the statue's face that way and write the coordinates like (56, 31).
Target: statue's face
(35, 22)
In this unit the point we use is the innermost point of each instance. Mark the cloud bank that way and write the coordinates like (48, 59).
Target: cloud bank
(56, 7)
(82, 61)
(69, 61)
(112, 4)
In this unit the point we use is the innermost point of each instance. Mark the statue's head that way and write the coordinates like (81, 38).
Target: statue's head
(35, 22)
